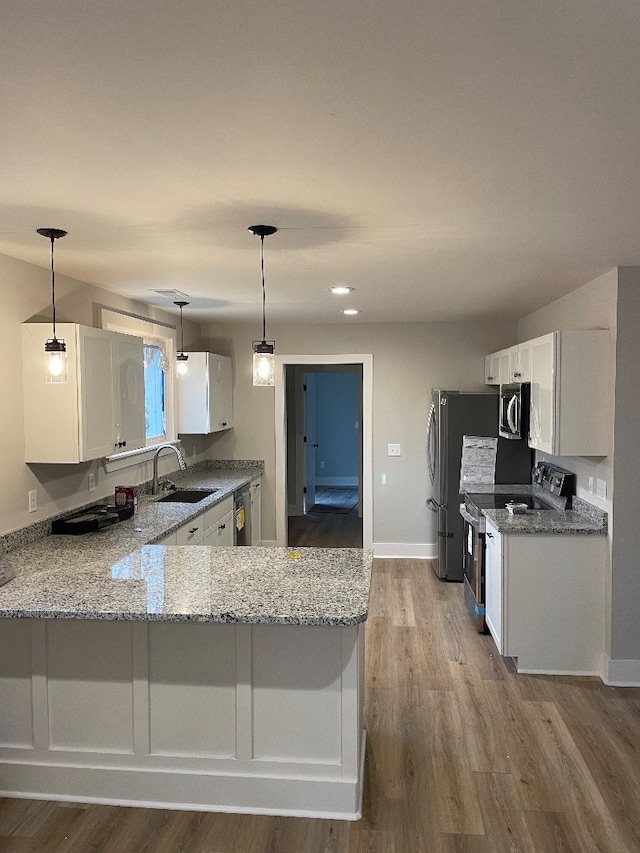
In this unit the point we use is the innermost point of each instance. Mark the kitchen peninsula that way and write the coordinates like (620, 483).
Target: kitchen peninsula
(223, 679)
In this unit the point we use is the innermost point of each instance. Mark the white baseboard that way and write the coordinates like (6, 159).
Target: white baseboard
(405, 550)
(336, 481)
(620, 673)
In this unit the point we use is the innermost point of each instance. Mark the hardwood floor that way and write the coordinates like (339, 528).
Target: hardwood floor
(463, 756)
(326, 530)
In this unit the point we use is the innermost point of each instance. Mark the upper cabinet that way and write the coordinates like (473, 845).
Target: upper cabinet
(99, 411)
(508, 365)
(205, 396)
(492, 368)
(569, 414)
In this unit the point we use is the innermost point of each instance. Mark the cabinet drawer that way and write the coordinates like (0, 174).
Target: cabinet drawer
(213, 515)
(191, 533)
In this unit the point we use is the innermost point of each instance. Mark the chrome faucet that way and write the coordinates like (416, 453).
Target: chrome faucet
(181, 463)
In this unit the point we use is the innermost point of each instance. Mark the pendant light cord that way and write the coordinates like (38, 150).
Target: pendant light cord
(53, 293)
(264, 319)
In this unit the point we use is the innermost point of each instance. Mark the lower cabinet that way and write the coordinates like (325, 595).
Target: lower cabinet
(544, 598)
(212, 527)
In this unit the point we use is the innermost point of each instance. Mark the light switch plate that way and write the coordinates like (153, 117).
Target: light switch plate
(394, 450)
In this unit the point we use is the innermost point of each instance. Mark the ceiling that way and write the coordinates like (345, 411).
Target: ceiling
(445, 158)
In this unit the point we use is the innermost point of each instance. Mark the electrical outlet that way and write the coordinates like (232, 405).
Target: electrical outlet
(322, 464)
(92, 482)
(591, 481)
(601, 488)
(33, 500)
(394, 450)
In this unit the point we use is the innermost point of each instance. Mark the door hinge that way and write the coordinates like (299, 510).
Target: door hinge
(304, 439)
(304, 490)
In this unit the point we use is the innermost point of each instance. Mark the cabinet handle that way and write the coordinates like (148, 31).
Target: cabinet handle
(490, 378)
(222, 527)
(490, 535)
(193, 530)
(224, 423)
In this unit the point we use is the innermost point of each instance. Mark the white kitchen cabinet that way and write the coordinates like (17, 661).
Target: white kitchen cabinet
(191, 533)
(255, 492)
(218, 524)
(492, 369)
(99, 411)
(569, 413)
(519, 363)
(544, 599)
(493, 584)
(205, 395)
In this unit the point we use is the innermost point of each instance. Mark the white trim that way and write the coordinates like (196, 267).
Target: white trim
(620, 673)
(366, 360)
(405, 550)
(131, 458)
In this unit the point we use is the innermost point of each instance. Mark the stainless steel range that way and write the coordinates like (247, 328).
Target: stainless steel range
(552, 489)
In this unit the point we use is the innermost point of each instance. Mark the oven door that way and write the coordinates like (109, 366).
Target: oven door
(473, 564)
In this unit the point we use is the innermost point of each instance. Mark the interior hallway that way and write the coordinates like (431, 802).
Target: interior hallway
(463, 755)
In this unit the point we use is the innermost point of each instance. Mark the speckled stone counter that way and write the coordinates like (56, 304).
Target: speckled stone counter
(316, 586)
(583, 518)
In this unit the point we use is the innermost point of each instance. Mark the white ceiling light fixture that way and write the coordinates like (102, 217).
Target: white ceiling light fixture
(55, 350)
(263, 359)
(182, 358)
(350, 311)
(341, 290)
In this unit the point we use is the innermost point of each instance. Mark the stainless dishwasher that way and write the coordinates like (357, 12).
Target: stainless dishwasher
(242, 516)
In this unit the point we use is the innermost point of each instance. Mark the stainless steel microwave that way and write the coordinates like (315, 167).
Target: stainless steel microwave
(514, 410)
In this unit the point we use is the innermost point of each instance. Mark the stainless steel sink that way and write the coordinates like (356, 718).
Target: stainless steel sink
(187, 496)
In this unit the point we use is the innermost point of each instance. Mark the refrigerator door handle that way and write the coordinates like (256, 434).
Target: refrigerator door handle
(434, 506)
(431, 442)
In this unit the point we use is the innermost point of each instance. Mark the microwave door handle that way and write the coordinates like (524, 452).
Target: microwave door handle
(511, 417)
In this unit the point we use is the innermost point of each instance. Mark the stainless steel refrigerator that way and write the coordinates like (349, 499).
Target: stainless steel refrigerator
(452, 415)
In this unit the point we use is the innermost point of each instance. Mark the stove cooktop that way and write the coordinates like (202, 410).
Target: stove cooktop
(500, 501)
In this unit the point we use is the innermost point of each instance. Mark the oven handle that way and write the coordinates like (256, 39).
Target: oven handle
(470, 519)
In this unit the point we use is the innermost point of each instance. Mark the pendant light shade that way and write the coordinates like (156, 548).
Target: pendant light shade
(55, 349)
(263, 358)
(182, 359)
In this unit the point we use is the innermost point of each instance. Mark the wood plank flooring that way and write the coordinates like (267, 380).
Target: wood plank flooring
(464, 756)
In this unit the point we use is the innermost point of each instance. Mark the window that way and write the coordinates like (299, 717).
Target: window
(159, 348)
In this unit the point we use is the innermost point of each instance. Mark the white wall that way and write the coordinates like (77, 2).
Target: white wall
(408, 360)
(26, 291)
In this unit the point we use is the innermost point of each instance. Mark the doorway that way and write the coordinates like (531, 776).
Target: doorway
(297, 462)
(324, 455)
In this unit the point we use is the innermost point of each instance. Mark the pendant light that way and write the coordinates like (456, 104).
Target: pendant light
(263, 360)
(182, 358)
(55, 350)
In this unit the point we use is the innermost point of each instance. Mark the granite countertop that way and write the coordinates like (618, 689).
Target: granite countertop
(119, 574)
(197, 583)
(543, 522)
(583, 518)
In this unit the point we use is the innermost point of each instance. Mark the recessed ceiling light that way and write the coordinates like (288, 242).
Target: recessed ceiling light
(350, 311)
(341, 290)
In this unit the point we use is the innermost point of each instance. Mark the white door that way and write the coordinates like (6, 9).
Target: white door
(309, 439)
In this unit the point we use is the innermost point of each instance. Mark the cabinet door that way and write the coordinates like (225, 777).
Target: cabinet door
(225, 530)
(205, 395)
(128, 372)
(256, 513)
(522, 372)
(492, 369)
(220, 393)
(493, 584)
(97, 394)
(543, 399)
